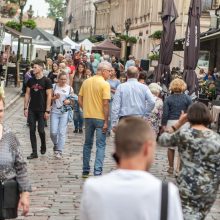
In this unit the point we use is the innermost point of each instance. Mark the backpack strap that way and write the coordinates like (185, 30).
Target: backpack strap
(164, 201)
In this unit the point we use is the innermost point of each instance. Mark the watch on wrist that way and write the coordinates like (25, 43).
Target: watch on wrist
(48, 112)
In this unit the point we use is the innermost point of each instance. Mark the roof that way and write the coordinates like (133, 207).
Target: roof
(71, 42)
(106, 45)
(16, 33)
(42, 37)
(211, 34)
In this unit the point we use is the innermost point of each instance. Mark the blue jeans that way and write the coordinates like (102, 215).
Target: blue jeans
(58, 127)
(92, 125)
(77, 116)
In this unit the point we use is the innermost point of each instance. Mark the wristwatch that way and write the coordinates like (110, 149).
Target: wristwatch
(48, 112)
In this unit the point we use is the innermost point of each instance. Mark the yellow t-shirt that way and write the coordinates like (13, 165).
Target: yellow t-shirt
(93, 91)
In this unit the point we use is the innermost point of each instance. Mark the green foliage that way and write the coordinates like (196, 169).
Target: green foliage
(14, 25)
(56, 8)
(156, 35)
(128, 39)
(154, 56)
(30, 24)
(93, 39)
(12, 12)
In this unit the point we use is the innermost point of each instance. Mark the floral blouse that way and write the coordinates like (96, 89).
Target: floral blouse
(156, 115)
(12, 164)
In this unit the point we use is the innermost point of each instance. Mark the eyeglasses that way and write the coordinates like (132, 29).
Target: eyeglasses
(107, 70)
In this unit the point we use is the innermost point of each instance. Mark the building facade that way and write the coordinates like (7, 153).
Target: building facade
(145, 16)
(80, 17)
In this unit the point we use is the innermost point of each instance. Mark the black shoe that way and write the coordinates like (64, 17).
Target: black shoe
(75, 131)
(80, 131)
(32, 156)
(43, 150)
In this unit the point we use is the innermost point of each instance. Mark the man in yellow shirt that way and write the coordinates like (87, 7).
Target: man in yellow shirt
(94, 97)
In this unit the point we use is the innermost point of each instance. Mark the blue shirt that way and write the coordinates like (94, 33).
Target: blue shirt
(129, 63)
(113, 84)
(132, 99)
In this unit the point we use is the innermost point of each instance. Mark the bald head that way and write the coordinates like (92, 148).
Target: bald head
(132, 72)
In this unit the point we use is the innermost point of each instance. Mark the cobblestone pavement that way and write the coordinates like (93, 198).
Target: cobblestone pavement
(57, 184)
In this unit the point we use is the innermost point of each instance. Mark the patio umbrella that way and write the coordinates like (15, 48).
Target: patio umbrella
(58, 28)
(192, 46)
(169, 16)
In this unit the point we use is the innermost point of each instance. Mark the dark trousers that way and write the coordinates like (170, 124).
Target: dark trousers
(33, 117)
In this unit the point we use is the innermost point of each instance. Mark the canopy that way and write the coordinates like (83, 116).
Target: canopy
(169, 15)
(87, 45)
(107, 47)
(70, 42)
(192, 46)
(42, 37)
(7, 39)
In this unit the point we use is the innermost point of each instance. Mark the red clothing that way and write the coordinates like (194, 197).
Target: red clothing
(72, 69)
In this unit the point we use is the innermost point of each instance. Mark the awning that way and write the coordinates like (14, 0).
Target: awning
(17, 34)
(211, 34)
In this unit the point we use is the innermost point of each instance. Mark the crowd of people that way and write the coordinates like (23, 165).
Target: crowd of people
(88, 91)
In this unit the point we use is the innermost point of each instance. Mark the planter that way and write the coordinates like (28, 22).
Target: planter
(154, 63)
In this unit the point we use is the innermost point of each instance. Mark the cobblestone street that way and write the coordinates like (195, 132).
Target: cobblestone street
(57, 184)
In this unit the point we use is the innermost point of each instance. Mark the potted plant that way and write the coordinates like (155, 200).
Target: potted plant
(154, 57)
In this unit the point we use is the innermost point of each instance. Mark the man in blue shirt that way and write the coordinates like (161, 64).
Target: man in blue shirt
(130, 62)
(132, 98)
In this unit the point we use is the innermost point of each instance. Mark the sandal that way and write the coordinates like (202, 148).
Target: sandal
(170, 170)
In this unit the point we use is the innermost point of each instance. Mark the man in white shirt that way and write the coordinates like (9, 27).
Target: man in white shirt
(130, 192)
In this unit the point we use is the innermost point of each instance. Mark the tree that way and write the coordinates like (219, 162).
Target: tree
(56, 8)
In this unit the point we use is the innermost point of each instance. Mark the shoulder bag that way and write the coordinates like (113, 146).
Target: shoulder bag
(9, 198)
(164, 202)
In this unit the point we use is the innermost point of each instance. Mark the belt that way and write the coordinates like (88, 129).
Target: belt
(128, 116)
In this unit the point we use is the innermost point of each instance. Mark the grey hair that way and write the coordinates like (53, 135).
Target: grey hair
(106, 57)
(155, 88)
(104, 65)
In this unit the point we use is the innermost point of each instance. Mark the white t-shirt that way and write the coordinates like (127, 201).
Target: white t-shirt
(127, 195)
(64, 93)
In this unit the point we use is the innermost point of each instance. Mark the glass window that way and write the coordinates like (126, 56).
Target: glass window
(207, 5)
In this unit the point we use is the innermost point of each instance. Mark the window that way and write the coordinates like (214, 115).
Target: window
(207, 5)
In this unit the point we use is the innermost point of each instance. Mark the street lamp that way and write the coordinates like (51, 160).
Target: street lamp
(217, 13)
(22, 4)
(127, 25)
(30, 12)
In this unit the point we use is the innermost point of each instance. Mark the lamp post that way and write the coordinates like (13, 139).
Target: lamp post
(217, 13)
(127, 25)
(127, 28)
(22, 4)
(30, 12)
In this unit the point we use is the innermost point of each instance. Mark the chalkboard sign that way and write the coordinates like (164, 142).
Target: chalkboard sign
(145, 64)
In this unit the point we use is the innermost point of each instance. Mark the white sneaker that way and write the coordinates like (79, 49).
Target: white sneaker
(58, 155)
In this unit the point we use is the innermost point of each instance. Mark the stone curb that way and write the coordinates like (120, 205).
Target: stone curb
(13, 100)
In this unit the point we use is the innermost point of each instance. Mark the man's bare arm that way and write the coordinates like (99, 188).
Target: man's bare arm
(106, 114)
(49, 97)
(80, 100)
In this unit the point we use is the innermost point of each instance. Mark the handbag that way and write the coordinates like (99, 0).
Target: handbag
(164, 202)
(9, 198)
